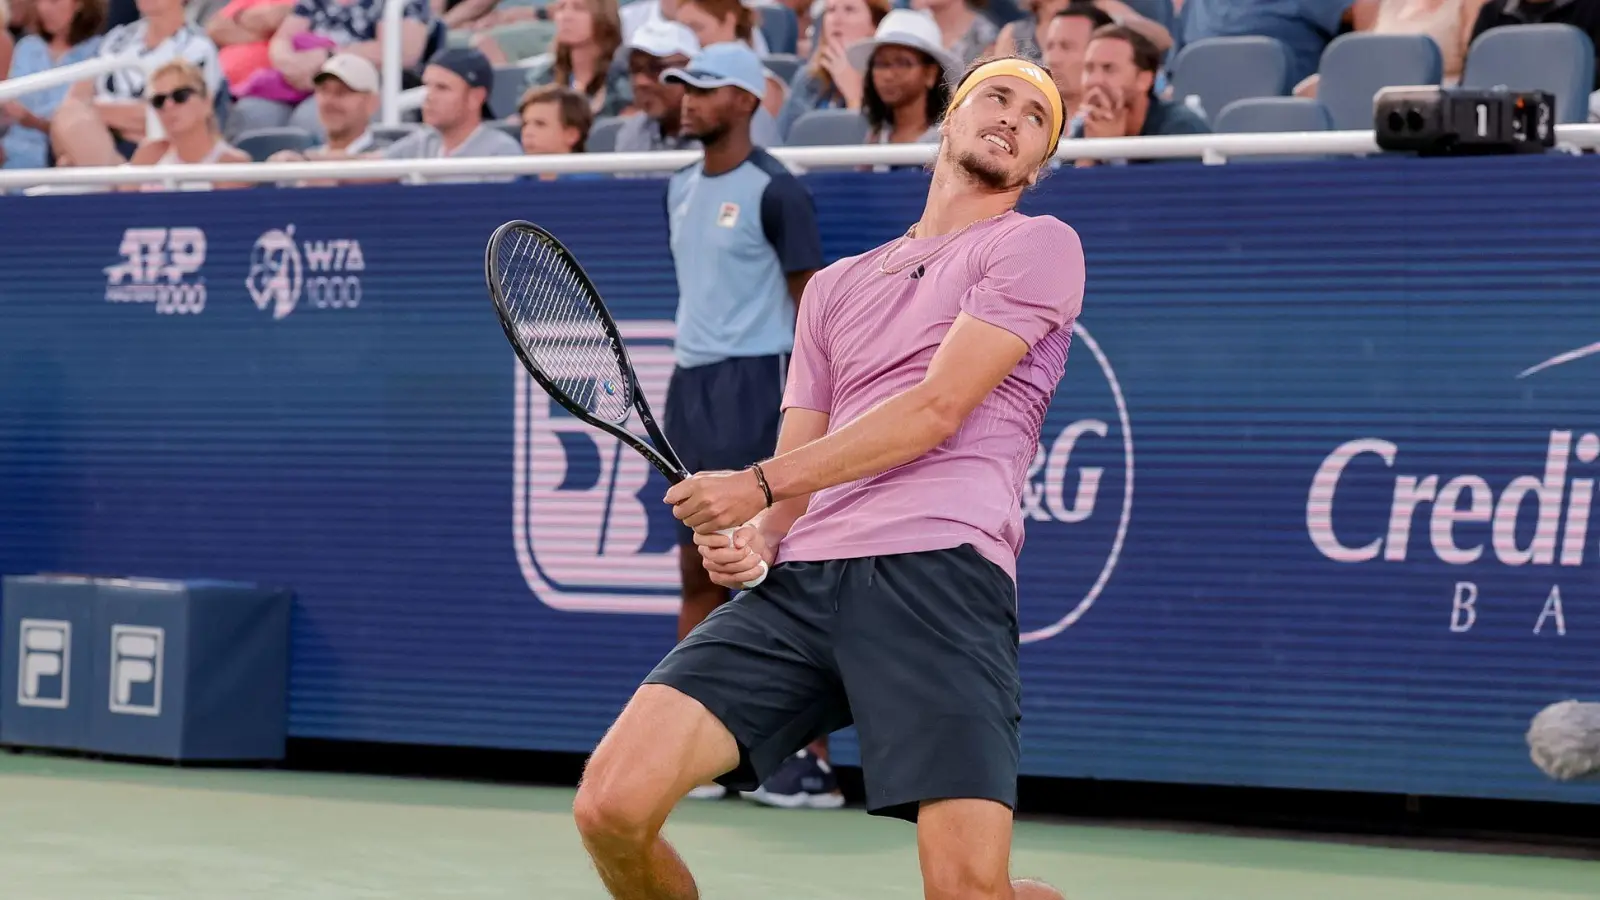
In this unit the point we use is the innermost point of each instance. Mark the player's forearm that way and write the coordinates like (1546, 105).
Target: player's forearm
(891, 434)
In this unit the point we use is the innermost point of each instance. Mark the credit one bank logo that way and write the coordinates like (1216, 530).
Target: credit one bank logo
(1537, 520)
(592, 534)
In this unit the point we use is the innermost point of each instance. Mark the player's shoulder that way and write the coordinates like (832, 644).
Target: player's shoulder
(1046, 234)
(777, 173)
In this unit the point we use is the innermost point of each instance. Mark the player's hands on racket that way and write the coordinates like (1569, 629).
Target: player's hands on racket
(716, 501)
(735, 560)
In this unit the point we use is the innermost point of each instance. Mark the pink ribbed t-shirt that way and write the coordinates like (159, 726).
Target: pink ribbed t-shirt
(863, 337)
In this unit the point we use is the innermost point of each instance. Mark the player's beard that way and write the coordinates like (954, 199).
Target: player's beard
(708, 136)
(988, 174)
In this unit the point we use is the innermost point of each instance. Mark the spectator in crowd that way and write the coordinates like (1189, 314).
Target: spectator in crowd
(744, 239)
(803, 21)
(587, 36)
(830, 82)
(180, 99)
(103, 121)
(16, 17)
(454, 109)
(965, 32)
(656, 47)
(309, 37)
(1021, 38)
(1065, 40)
(555, 119)
(1583, 15)
(1119, 75)
(1304, 26)
(718, 21)
(67, 31)
(1448, 22)
(908, 74)
(656, 124)
(242, 31)
(347, 99)
(8, 41)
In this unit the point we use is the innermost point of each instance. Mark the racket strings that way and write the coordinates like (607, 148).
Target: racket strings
(556, 321)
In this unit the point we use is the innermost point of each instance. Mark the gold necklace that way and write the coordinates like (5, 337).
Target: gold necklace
(883, 262)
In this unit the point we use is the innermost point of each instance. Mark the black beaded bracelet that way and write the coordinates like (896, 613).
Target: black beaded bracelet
(761, 479)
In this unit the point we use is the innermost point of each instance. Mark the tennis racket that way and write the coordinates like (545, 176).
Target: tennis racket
(566, 339)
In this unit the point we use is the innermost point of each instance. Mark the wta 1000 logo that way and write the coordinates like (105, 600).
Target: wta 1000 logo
(592, 534)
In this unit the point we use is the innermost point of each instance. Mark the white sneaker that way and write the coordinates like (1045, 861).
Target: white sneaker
(708, 792)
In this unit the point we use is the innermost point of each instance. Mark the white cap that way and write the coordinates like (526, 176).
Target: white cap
(357, 73)
(904, 28)
(662, 38)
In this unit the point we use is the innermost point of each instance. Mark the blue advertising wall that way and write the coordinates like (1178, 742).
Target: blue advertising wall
(1312, 508)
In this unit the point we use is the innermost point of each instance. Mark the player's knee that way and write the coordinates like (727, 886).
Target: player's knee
(954, 877)
(608, 814)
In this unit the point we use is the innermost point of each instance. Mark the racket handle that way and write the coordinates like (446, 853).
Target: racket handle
(759, 578)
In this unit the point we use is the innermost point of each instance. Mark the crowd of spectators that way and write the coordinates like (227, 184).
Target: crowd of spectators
(483, 64)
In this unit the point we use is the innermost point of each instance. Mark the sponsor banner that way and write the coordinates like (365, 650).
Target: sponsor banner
(1313, 507)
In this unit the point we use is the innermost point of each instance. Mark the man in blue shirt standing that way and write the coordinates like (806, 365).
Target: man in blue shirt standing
(744, 241)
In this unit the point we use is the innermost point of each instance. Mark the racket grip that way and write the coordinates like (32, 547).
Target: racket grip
(759, 578)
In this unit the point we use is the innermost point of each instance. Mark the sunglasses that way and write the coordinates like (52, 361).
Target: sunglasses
(180, 96)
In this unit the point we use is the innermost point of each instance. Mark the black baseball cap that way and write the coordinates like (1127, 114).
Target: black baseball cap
(473, 67)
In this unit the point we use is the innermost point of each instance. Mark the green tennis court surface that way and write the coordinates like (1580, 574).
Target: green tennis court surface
(77, 830)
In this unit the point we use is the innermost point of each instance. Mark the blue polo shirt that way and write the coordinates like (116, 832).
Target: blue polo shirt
(734, 238)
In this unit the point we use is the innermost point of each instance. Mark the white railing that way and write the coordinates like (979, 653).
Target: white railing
(12, 88)
(1214, 148)
(393, 18)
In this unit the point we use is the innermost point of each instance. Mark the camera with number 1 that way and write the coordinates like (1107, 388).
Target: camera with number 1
(1455, 121)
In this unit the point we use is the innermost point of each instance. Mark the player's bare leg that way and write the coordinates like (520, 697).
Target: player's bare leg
(965, 850)
(662, 745)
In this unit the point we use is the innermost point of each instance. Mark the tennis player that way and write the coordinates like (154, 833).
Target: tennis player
(891, 516)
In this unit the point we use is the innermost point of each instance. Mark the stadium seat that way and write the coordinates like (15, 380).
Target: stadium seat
(261, 143)
(1263, 115)
(603, 134)
(828, 128)
(780, 27)
(783, 65)
(1554, 58)
(1222, 70)
(510, 82)
(512, 129)
(1356, 66)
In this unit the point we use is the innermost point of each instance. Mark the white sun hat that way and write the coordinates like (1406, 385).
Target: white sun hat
(905, 28)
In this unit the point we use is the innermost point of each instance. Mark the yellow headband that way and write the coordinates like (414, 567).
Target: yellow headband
(1027, 72)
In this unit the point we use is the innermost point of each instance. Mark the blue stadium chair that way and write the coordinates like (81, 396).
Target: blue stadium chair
(828, 128)
(783, 65)
(1554, 58)
(510, 83)
(1266, 115)
(1356, 66)
(603, 134)
(780, 27)
(261, 143)
(1156, 10)
(511, 129)
(1222, 70)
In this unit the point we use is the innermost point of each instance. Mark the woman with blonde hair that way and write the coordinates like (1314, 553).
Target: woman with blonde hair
(588, 33)
(831, 82)
(188, 117)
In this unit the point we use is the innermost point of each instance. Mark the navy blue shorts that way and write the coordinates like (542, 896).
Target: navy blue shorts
(917, 650)
(724, 415)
